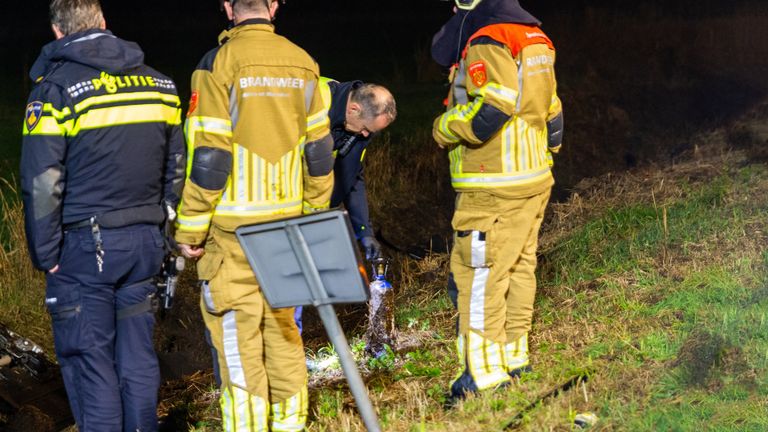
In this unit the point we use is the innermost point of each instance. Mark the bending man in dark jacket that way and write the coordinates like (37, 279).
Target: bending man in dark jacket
(102, 156)
(357, 111)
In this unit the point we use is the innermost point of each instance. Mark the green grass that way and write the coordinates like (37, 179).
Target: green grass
(710, 368)
(623, 238)
(421, 317)
(681, 303)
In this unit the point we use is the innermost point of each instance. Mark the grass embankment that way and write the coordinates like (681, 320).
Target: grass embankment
(653, 283)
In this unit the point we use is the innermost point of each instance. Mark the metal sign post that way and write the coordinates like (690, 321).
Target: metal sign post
(312, 260)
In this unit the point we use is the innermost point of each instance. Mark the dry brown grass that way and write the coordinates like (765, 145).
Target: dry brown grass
(22, 288)
(409, 188)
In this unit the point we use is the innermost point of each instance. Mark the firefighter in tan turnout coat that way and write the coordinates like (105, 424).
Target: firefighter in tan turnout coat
(502, 124)
(261, 148)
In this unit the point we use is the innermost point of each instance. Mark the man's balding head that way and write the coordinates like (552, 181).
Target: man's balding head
(370, 109)
(374, 100)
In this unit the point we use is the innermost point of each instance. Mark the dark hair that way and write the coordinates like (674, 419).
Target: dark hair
(72, 16)
(252, 6)
(374, 100)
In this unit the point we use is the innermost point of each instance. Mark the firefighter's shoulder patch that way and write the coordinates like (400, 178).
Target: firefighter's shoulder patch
(193, 100)
(477, 73)
(33, 115)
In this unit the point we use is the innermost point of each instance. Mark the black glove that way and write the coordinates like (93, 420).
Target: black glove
(371, 247)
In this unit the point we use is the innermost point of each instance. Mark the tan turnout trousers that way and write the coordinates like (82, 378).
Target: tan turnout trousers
(260, 352)
(493, 263)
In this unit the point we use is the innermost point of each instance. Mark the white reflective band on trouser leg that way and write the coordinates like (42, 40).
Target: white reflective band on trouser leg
(309, 208)
(291, 414)
(232, 360)
(479, 282)
(242, 411)
(478, 250)
(485, 359)
(516, 353)
(207, 297)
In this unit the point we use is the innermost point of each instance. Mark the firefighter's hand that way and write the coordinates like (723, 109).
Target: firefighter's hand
(190, 251)
(54, 269)
(371, 247)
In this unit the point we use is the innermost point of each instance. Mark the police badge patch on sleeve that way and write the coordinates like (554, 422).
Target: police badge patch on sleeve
(33, 115)
(478, 74)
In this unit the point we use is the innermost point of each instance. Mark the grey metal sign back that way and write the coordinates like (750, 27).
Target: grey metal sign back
(312, 260)
(278, 267)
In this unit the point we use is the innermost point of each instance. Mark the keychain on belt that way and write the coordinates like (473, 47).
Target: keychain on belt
(97, 240)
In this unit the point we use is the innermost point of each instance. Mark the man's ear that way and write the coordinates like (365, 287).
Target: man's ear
(353, 108)
(58, 33)
(228, 10)
(103, 24)
(273, 9)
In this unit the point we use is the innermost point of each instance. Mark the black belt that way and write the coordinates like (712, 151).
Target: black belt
(77, 225)
(143, 214)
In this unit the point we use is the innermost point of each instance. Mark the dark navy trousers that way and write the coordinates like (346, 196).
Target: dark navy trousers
(109, 365)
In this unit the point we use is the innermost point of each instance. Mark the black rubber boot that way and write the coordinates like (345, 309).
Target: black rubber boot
(515, 373)
(459, 389)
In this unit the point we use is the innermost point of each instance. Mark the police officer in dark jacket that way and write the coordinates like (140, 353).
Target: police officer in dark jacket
(102, 157)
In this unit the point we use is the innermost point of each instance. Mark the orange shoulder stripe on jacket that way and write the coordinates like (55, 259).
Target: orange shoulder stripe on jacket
(514, 36)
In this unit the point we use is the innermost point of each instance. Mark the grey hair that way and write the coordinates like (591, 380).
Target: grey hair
(374, 100)
(72, 16)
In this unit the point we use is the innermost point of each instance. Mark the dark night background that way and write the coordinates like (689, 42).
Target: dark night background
(381, 40)
(636, 78)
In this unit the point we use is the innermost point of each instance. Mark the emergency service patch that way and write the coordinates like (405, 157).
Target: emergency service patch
(193, 102)
(477, 73)
(33, 115)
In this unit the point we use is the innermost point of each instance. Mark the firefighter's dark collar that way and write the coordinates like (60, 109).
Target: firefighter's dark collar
(254, 21)
(227, 34)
